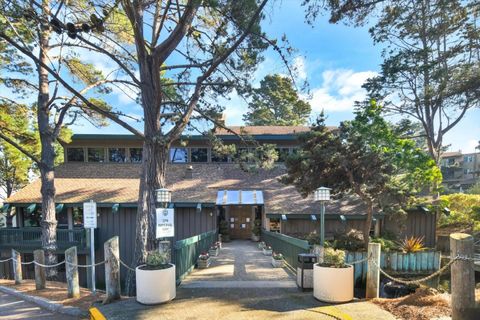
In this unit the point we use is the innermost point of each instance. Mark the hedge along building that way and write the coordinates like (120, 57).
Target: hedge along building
(206, 188)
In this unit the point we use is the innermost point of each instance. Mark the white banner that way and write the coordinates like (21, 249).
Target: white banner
(165, 223)
(89, 215)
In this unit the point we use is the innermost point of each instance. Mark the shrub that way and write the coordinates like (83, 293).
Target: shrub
(352, 241)
(277, 256)
(204, 256)
(334, 258)
(223, 228)
(386, 244)
(464, 211)
(156, 260)
(412, 245)
(257, 227)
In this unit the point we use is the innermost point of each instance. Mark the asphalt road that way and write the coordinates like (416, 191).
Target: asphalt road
(14, 308)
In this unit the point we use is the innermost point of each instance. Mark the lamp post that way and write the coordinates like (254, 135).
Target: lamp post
(322, 194)
(163, 197)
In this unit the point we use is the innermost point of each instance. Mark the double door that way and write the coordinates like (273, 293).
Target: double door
(240, 222)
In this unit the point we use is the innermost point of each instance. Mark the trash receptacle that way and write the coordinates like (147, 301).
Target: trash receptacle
(305, 270)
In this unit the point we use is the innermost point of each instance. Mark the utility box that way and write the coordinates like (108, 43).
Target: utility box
(305, 270)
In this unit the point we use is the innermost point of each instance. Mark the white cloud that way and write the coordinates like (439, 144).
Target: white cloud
(300, 68)
(339, 90)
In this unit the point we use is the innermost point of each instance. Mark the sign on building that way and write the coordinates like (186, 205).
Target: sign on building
(165, 224)
(89, 215)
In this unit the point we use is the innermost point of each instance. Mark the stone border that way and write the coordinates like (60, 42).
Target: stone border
(45, 303)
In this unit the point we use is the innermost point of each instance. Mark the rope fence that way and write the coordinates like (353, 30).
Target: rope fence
(56, 264)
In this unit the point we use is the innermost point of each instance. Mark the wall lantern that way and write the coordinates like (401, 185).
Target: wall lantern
(164, 195)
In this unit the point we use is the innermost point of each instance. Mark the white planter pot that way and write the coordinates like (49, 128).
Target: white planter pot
(277, 263)
(155, 286)
(255, 238)
(333, 284)
(203, 264)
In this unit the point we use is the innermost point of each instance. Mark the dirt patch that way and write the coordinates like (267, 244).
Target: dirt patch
(56, 292)
(424, 304)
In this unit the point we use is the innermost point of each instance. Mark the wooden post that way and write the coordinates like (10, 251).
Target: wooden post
(373, 271)
(462, 276)
(39, 256)
(17, 266)
(112, 269)
(73, 287)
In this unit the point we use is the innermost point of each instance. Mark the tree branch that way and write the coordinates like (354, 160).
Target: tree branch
(20, 148)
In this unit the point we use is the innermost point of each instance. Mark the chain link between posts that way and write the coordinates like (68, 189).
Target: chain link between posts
(56, 264)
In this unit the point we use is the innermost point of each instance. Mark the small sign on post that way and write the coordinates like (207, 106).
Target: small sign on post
(165, 224)
(90, 222)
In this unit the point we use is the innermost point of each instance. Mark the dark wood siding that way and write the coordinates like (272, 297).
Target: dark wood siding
(188, 222)
(417, 224)
(303, 227)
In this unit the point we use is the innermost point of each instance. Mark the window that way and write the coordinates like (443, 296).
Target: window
(62, 219)
(178, 155)
(77, 215)
(32, 219)
(96, 155)
(75, 155)
(136, 155)
(217, 157)
(117, 154)
(282, 154)
(199, 154)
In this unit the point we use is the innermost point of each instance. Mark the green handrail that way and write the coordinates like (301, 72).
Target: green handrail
(288, 246)
(30, 238)
(186, 252)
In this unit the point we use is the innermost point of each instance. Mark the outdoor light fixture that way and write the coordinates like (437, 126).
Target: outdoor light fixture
(322, 194)
(164, 195)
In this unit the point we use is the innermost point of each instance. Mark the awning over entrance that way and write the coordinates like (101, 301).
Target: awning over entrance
(239, 197)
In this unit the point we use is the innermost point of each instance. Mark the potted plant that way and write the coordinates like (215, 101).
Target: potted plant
(203, 260)
(277, 260)
(256, 230)
(267, 251)
(262, 245)
(213, 251)
(333, 279)
(223, 230)
(156, 279)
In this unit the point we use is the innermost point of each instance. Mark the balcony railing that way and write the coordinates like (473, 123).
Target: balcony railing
(29, 239)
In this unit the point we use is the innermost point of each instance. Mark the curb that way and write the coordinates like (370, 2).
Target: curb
(45, 303)
(95, 314)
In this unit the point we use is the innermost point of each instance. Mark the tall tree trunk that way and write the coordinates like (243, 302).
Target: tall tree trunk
(368, 222)
(49, 221)
(154, 162)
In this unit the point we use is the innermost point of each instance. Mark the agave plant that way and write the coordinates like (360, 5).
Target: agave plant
(412, 244)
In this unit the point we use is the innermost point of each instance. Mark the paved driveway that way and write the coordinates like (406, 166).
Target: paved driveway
(14, 308)
(241, 284)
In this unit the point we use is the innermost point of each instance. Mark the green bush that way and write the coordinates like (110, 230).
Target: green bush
(223, 228)
(464, 211)
(387, 245)
(334, 258)
(157, 260)
(257, 227)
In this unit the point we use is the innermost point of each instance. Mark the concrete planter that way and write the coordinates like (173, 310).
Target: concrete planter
(277, 263)
(155, 286)
(333, 284)
(203, 264)
(261, 245)
(267, 252)
(255, 238)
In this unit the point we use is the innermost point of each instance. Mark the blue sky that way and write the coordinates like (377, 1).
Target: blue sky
(334, 59)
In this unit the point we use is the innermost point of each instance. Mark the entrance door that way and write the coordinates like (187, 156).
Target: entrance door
(240, 222)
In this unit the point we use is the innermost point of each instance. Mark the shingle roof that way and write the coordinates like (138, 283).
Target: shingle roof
(451, 154)
(119, 183)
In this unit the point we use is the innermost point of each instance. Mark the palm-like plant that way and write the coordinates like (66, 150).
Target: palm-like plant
(412, 244)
